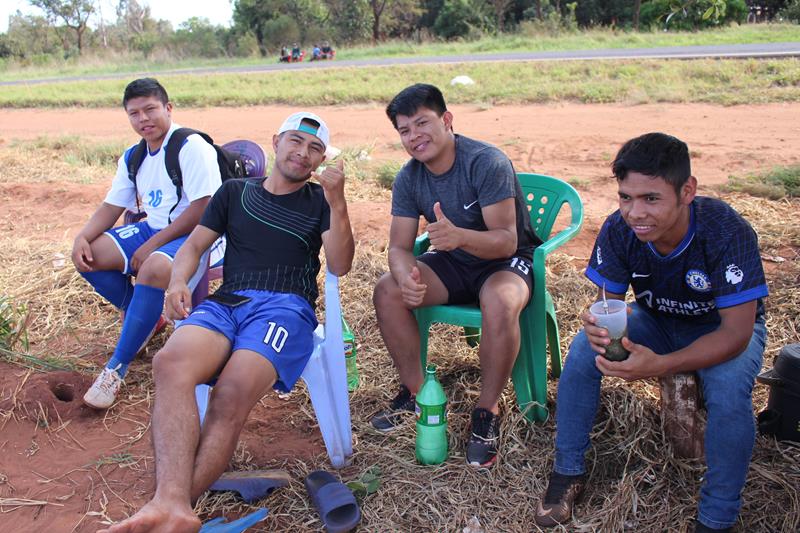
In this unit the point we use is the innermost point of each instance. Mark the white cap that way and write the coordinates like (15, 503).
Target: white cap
(294, 123)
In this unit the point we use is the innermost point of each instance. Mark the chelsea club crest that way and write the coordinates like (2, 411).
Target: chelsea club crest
(698, 280)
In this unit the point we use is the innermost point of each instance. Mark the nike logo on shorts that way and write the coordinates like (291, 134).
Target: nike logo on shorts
(467, 206)
(635, 275)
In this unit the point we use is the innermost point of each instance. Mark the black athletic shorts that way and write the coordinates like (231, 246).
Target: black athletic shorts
(464, 281)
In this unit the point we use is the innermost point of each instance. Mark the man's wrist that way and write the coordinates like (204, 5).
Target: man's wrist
(461, 237)
(665, 365)
(339, 208)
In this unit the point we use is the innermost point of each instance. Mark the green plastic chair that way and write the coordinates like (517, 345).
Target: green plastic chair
(544, 196)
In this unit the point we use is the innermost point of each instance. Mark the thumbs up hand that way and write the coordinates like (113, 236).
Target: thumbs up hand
(437, 210)
(332, 180)
(444, 234)
(412, 289)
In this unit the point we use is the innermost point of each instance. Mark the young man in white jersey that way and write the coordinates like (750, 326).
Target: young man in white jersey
(107, 256)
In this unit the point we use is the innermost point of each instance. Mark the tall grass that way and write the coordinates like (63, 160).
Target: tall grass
(532, 40)
(386, 173)
(77, 151)
(774, 184)
(13, 324)
(713, 81)
(525, 40)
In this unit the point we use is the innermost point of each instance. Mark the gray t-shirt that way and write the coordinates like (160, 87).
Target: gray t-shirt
(481, 175)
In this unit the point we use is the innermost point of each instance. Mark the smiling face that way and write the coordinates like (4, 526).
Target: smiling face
(297, 155)
(150, 118)
(654, 211)
(428, 138)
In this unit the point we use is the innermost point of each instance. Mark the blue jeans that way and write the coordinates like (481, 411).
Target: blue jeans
(727, 392)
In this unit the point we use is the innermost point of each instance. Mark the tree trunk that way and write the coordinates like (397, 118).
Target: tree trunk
(376, 28)
(637, 7)
(539, 9)
(79, 32)
(680, 415)
(262, 48)
(102, 25)
(377, 11)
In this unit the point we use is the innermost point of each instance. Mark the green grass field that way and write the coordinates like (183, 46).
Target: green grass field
(775, 184)
(590, 39)
(725, 82)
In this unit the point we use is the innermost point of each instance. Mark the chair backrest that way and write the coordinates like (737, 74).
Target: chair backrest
(544, 196)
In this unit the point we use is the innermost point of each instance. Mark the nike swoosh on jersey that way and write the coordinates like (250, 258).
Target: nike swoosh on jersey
(467, 206)
(635, 275)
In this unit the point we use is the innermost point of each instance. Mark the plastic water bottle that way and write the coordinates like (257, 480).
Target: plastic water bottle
(350, 356)
(431, 410)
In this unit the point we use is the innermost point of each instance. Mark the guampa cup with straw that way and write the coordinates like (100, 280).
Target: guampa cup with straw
(614, 318)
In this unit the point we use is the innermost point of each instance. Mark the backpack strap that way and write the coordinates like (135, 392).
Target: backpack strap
(172, 162)
(134, 161)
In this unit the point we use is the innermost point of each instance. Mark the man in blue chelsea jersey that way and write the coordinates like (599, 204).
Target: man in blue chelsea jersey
(695, 270)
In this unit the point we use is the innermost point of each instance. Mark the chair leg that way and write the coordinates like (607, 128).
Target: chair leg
(424, 326)
(530, 371)
(332, 417)
(554, 343)
(473, 336)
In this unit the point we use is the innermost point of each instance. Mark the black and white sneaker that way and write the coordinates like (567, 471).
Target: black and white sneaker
(400, 408)
(482, 444)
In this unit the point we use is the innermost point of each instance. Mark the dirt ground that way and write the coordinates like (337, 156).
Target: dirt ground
(570, 141)
(89, 467)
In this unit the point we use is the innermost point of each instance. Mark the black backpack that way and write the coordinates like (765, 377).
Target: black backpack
(231, 165)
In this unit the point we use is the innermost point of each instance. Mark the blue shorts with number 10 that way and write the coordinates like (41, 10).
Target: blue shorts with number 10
(279, 326)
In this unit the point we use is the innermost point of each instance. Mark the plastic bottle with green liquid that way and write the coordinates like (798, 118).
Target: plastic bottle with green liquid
(350, 356)
(431, 410)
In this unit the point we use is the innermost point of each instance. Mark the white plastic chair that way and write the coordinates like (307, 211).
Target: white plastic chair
(326, 379)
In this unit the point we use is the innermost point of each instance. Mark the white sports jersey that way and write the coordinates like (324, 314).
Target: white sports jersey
(157, 194)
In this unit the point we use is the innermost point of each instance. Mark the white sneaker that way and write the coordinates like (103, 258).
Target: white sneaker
(103, 392)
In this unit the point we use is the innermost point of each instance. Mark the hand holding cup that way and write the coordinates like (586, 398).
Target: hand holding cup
(614, 319)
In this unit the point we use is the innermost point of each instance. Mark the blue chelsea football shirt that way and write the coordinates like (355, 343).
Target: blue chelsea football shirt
(716, 265)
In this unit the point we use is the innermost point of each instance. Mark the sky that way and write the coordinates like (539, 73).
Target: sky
(175, 11)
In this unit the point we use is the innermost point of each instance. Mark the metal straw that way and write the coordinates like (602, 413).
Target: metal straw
(605, 302)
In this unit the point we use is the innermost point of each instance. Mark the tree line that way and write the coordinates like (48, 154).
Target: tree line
(261, 27)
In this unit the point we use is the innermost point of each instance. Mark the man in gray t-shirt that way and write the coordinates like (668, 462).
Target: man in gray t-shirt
(482, 245)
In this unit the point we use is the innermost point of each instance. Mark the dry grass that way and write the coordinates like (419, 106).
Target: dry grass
(635, 482)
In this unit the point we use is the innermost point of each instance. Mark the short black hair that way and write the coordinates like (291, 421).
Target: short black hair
(654, 154)
(410, 99)
(145, 87)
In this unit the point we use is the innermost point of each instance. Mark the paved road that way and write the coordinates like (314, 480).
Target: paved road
(766, 50)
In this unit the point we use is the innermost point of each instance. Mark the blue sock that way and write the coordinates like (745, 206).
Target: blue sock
(140, 319)
(112, 285)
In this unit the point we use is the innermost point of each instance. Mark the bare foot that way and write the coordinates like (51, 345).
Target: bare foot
(159, 518)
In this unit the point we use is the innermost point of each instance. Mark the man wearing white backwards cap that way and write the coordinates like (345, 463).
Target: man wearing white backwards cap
(256, 332)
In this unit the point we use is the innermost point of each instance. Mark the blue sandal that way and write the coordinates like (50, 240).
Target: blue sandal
(335, 503)
(218, 525)
(252, 485)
